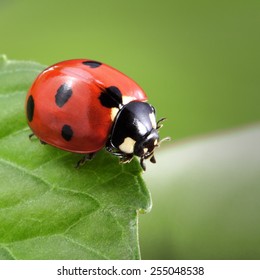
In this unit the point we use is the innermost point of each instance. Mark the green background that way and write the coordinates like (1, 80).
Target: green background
(198, 61)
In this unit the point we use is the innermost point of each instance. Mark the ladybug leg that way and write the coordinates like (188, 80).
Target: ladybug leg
(142, 163)
(125, 158)
(30, 136)
(82, 161)
(110, 148)
(152, 159)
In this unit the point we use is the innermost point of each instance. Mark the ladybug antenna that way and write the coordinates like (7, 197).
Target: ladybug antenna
(159, 123)
(164, 139)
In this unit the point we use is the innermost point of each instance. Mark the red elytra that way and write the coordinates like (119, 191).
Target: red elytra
(64, 100)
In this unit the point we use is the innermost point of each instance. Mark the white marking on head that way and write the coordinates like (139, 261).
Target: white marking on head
(155, 142)
(127, 99)
(114, 112)
(153, 120)
(141, 127)
(145, 150)
(127, 146)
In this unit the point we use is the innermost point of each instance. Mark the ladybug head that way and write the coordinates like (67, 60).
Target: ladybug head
(135, 132)
(145, 148)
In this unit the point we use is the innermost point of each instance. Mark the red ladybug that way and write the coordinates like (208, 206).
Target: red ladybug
(83, 105)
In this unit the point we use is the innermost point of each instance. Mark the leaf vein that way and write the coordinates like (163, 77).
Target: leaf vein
(85, 247)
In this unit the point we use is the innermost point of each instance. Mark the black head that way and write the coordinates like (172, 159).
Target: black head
(135, 132)
(145, 147)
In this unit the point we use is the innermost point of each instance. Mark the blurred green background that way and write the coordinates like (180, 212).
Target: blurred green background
(198, 61)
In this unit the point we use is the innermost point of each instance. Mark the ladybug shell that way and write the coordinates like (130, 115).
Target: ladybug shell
(71, 104)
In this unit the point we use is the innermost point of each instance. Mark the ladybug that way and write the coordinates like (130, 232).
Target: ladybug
(84, 105)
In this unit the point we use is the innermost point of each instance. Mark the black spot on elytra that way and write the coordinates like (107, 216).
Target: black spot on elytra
(30, 108)
(92, 63)
(111, 97)
(63, 94)
(66, 132)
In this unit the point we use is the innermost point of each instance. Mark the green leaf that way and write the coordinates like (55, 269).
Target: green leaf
(206, 199)
(48, 208)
